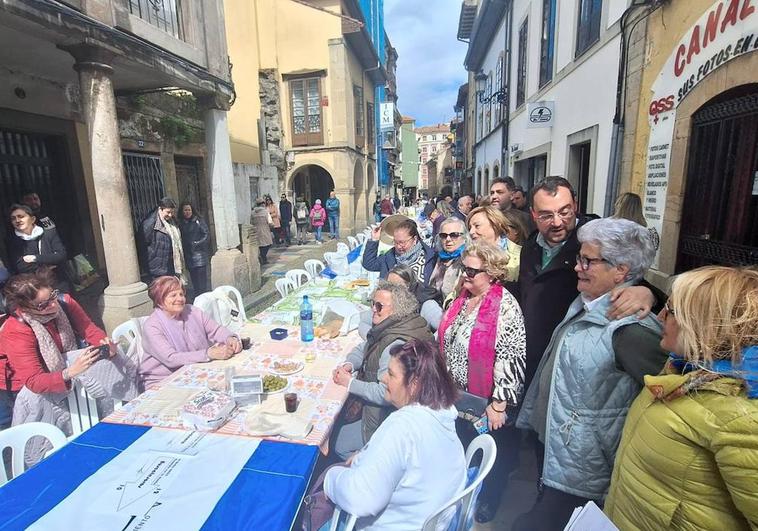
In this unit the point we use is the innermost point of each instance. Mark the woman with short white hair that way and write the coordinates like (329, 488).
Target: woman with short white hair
(591, 372)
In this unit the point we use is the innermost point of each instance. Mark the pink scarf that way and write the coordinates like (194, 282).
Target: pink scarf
(481, 353)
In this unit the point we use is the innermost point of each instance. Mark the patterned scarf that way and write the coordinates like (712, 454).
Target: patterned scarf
(51, 354)
(481, 354)
(414, 258)
(176, 247)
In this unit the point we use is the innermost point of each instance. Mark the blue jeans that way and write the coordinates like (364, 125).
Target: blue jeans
(334, 224)
(7, 399)
(318, 233)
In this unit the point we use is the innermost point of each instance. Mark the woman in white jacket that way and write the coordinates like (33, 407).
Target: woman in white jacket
(414, 462)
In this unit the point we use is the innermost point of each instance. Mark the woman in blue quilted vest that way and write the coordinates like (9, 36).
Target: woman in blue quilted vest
(591, 371)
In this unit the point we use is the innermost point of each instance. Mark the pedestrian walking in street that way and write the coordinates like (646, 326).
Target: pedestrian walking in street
(163, 242)
(285, 214)
(261, 220)
(318, 218)
(302, 213)
(196, 245)
(378, 210)
(276, 226)
(333, 211)
(387, 208)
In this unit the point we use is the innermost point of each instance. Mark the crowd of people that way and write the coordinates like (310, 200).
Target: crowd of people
(550, 334)
(538, 328)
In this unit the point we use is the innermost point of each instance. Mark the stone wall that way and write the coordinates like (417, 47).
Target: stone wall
(251, 181)
(272, 117)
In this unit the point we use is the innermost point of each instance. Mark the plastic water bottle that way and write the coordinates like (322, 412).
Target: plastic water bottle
(306, 320)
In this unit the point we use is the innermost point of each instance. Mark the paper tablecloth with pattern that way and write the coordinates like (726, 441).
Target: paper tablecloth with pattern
(320, 398)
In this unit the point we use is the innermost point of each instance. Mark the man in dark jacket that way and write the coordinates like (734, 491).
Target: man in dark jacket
(408, 250)
(547, 282)
(158, 241)
(285, 216)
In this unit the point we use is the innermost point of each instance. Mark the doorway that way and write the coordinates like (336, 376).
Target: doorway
(580, 157)
(312, 182)
(720, 209)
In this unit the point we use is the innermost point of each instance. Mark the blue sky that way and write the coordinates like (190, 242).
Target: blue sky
(430, 63)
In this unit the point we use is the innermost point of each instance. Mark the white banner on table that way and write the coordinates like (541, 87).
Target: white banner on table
(167, 479)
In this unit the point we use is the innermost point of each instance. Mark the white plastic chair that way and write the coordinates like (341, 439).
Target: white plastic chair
(342, 248)
(352, 242)
(126, 333)
(314, 267)
(284, 286)
(83, 409)
(233, 295)
(16, 438)
(295, 276)
(208, 302)
(361, 237)
(467, 498)
(349, 525)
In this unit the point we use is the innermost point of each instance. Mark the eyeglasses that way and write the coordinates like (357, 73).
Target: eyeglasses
(564, 214)
(403, 242)
(585, 263)
(451, 235)
(669, 309)
(471, 272)
(377, 306)
(51, 299)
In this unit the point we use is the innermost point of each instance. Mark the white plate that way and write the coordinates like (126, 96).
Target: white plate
(298, 368)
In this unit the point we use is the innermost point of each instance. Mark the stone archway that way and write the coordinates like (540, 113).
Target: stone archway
(311, 182)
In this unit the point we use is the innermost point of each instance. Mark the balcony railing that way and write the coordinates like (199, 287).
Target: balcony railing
(163, 14)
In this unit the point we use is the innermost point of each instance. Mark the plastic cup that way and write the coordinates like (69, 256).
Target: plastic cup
(290, 402)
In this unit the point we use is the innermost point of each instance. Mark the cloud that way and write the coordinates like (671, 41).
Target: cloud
(430, 58)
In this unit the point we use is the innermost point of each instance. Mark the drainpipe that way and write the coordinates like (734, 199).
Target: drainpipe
(617, 134)
(506, 124)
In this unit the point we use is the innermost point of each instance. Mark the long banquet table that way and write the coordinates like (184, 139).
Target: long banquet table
(141, 469)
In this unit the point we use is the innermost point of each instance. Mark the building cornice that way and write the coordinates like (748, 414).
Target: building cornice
(485, 27)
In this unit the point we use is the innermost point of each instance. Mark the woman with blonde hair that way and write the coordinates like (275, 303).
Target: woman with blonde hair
(489, 224)
(688, 457)
(629, 206)
(482, 337)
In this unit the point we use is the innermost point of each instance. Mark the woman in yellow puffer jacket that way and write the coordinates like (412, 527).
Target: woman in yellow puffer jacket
(688, 458)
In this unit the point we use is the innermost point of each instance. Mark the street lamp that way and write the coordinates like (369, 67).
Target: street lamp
(481, 88)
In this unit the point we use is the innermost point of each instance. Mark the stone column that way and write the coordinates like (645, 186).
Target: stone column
(125, 296)
(228, 266)
(347, 211)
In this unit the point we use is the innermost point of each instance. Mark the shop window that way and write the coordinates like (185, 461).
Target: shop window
(547, 46)
(523, 34)
(588, 25)
(305, 102)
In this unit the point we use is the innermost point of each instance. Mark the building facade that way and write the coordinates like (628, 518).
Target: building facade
(63, 134)
(690, 148)
(306, 78)
(431, 140)
(409, 157)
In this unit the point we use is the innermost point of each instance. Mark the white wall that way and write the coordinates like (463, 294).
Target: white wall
(584, 90)
(487, 152)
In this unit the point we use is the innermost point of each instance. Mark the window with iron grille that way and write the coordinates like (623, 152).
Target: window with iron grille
(588, 24)
(523, 34)
(499, 82)
(488, 119)
(370, 128)
(163, 14)
(144, 181)
(547, 46)
(305, 105)
(360, 132)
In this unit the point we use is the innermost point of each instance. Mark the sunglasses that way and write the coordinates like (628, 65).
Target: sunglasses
(51, 299)
(451, 235)
(377, 306)
(471, 272)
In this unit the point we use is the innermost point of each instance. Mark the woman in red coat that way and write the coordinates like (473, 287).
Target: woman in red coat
(38, 333)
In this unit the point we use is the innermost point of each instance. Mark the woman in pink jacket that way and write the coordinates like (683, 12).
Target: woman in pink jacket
(318, 218)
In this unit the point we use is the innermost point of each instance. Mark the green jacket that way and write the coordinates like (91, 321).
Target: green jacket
(690, 463)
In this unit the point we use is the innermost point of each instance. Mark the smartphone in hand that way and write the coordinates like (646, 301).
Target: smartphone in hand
(482, 425)
(103, 352)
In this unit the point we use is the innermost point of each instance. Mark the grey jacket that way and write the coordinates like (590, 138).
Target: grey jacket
(589, 400)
